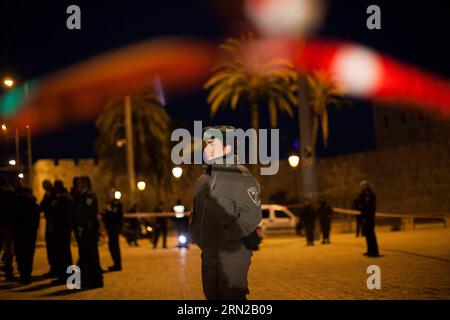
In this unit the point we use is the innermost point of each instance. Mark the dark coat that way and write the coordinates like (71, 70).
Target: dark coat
(308, 214)
(87, 209)
(367, 205)
(113, 215)
(227, 207)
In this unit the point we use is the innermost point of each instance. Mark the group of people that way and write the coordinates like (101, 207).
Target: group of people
(365, 203)
(19, 222)
(68, 214)
(76, 212)
(307, 221)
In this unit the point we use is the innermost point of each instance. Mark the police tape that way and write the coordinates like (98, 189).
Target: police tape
(384, 214)
(156, 214)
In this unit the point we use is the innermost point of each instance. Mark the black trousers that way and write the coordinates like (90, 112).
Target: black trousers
(224, 274)
(114, 248)
(309, 227)
(91, 271)
(63, 253)
(371, 238)
(158, 231)
(24, 246)
(325, 227)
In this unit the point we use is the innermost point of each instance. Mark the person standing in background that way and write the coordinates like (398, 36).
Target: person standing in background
(46, 207)
(324, 212)
(113, 219)
(64, 208)
(88, 228)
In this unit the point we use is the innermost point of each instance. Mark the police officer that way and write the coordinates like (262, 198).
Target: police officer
(88, 228)
(308, 215)
(113, 219)
(75, 193)
(46, 206)
(226, 213)
(367, 206)
(63, 207)
(324, 211)
(25, 225)
(7, 200)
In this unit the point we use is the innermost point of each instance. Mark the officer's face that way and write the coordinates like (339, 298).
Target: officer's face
(213, 148)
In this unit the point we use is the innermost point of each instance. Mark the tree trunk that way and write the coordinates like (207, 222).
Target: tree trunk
(308, 165)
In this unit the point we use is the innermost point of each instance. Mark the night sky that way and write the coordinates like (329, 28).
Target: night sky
(35, 41)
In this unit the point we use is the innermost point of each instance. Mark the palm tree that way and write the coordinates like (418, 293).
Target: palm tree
(323, 92)
(254, 76)
(150, 135)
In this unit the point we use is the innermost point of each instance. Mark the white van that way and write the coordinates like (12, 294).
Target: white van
(277, 219)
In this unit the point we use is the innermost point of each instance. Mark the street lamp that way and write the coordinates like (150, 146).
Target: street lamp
(120, 143)
(4, 128)
(20, 175)
(12, 162)
(117, 195)
(141, 185)
(177, 172)
(294, 160)
(8, 82)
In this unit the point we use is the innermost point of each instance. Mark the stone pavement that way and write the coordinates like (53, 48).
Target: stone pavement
(415, 265)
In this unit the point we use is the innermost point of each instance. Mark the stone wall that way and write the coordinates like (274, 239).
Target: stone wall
(67, 169)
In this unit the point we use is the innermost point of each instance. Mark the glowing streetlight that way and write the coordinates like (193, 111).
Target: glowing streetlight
(141, 185)
(12, 162)
(20, 175)
(8, 82)
(4, 128)
(120, 143)
(177, 172)
(117, 195)
(294, 160)
(182, 239)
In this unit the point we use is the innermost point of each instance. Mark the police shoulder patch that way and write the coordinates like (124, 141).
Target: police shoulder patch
(254, 195)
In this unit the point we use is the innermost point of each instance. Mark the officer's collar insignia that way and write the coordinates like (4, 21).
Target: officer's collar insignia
(254, 195)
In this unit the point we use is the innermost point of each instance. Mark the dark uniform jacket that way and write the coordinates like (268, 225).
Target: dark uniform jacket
(87, 209)
(26, 215)
(324, 212)
(7, 200)
(62, 210)
(367, 205)
(308, 214)
(227, 207)
(113, 216)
